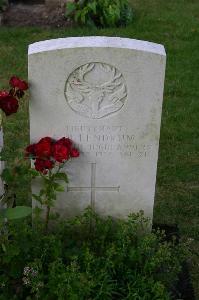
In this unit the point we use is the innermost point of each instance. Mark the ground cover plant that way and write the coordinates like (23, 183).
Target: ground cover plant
(89, 258)
(177, 179)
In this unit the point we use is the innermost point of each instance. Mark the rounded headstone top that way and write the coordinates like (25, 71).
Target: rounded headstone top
(98, 42)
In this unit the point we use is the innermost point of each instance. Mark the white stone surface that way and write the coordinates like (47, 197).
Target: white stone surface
(95, 42)
(106, 94)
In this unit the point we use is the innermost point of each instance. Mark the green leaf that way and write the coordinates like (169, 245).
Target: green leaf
(37, 198)
(7, 175)
(92, 7)
(60, 188)
(70, 8)
(17, 212)
(46, 180)
(33, 173)
(61, 176)
(84, 13)
(42, 192)
(3, 247)
(57, 187)
(78, 15)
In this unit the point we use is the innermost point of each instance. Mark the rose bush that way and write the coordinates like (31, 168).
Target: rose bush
(49, 158)
(9, 104)
(9, 100)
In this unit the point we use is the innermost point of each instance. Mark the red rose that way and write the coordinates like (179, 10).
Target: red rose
(74, 153)
(8, 104)
(48, 164)
(30, 150)
(46, 139)
(39, 165)
(43, 165)
(18, 83)
(3, 94)
(65, 142)
(43, 148)
(60, 152)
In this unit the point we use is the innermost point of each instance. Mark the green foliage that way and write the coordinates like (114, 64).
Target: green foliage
(3, 5)
(100, 13)
(15, 212)
(89, 258)
(14, 177)
(50, 187)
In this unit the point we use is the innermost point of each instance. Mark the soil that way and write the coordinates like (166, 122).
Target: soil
(34, 15)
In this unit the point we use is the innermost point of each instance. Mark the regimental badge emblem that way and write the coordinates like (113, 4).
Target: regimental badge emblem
(96, 90)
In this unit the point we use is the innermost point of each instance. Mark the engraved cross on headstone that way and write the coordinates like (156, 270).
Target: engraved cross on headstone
(93, 188)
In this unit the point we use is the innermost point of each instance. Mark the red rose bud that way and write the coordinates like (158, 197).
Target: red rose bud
(74, 153)
(60, 152)
(43, 149)
(18, 83)
(9, 104)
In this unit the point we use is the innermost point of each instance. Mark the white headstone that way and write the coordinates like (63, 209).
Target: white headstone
(106, 94)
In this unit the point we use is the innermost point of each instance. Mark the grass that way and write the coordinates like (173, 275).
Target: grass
(174, 24)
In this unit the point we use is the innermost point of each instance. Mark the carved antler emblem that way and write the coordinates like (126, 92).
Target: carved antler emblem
(96, 90)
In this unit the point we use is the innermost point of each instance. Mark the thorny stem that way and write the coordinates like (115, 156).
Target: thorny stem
(47, 218)
(48, 206)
